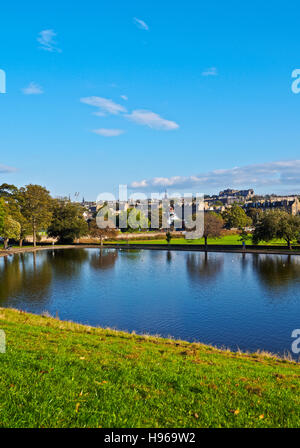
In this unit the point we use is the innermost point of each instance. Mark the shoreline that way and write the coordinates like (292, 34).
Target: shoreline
(172, 247)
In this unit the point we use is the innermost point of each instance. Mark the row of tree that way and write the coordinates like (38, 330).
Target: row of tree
(30, 210)
(266, 226)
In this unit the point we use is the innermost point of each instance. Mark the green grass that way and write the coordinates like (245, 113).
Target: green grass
(225, 240)
(60, 374)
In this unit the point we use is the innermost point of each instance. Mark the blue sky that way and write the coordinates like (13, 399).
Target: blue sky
(188, 96)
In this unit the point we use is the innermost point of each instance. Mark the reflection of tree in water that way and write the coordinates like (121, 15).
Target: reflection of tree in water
(131, 254)
(276, 270)
(103, 258)
(202, 267)
(22, 274)
(67, 262)
(169, 256)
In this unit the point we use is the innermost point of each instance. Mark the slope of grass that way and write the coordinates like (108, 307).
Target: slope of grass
(61, 374)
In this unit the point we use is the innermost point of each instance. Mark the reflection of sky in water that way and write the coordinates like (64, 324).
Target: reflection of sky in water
(233, 300)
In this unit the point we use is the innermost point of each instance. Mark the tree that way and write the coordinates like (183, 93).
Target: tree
(67, 221)
(36, 208)
(288, 228)
(98, 232)
(236, 217)
(11, 229)
(168, 237)
(136, 219)
(2, 215)
(255, 214)
(7, 190)
(14, 202)
(277, 224)
(213, 225)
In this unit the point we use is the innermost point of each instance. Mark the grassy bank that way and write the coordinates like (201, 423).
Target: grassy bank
(60, 374)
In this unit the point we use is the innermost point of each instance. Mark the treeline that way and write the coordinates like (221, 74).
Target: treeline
(29, 210)
(265, 225)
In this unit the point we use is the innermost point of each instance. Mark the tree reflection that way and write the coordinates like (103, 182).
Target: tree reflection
(103, 259)
(21, 274)
(169, 256)
(277, 270)
(67, 262)
(202, 267)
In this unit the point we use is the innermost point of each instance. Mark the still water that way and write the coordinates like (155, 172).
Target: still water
(241, 301)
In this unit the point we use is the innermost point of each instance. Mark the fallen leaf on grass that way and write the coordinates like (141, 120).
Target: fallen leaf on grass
(100, 383)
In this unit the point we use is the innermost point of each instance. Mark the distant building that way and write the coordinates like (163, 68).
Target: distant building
(242, 194)
(289, 204)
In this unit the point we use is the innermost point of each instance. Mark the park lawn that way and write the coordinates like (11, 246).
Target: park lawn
(61, 374)
(226, 240)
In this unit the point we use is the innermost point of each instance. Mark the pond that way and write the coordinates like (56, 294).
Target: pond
(245, 301)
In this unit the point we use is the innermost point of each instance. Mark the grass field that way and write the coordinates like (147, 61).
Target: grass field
(60, 374)
(226, 240)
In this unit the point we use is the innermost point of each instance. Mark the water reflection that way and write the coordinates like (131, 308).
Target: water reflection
(276, 271)
(67, 262)
(22, 274)
(103, 259)
(203, 266)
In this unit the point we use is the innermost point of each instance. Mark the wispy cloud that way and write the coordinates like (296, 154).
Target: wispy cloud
(152, 120)
(140, 116)
(271, 174)
(141, 24)
(6, 169)
(124, 97)
(104, 104)
(46, 39)
(108, 132)
(32, 89)
(212, 71)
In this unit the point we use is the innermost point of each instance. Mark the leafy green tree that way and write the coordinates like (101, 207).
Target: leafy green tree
(14, 202)
(11, 230)
(7, 190)
(277, 224)
(136, 219)
(236, 217)
(36, 208)
(168, 237)
(213, 225)
(2, 215)
(288, 228)
(255, 214)
(67, 221)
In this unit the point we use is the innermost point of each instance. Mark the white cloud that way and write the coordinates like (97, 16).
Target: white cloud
(152, 120)
(108, 132)
(105, 104)
(6, 169)
(141, 24)
(271, 174)
(124, 97)
(212, 71)
(47, 40)
(33, 89)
